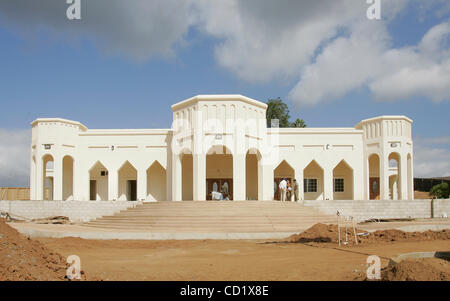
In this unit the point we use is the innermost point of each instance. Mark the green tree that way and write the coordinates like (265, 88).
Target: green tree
(440, 191)
(277, 109)
(298, 123)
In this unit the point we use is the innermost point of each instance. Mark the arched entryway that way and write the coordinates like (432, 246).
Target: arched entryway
(48, 188)
(343, 182)
(252, 174)
(313, 181)
(98, 182)
(282, 171)
(219, 173)
(187, 173)
(127, 182)
(374, 177)
(67, 182)
(394, 176)
(156, 182)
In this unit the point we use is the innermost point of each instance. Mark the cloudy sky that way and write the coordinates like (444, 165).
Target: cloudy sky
(125, 62)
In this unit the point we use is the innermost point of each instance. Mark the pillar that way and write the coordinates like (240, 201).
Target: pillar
(301, 190)
(328, 183)
(39, 180)
(113, 184)
(199, 180)
(384, 178)
(141, 184)
(176, 178)
(239, 177)
(57, 178)
(403, 177)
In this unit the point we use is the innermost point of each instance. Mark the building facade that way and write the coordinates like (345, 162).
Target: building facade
(221, 143)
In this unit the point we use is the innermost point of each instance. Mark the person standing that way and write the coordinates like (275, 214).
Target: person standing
(296, 190)
(288, 191)
(283, 186)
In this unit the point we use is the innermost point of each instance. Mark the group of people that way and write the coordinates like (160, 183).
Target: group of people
(287, 190)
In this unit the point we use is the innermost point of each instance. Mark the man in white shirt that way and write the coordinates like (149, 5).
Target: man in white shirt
(283, 186)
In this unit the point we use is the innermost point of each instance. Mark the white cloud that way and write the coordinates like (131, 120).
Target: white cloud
(14, 157)
(327, 47)
(136, 29)
(431, 157)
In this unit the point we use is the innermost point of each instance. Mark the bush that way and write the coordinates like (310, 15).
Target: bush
(440, 191)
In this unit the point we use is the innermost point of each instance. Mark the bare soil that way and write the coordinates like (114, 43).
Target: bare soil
(22, 258)
(427, 269)
(322, 233)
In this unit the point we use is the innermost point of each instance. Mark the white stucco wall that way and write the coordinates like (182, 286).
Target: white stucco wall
(202, 123)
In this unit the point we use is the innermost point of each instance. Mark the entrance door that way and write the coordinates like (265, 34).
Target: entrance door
(374, 184)
(93, 190)
(132, 190)
(219, 185)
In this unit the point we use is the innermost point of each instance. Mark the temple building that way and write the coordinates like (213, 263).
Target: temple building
(221, 143)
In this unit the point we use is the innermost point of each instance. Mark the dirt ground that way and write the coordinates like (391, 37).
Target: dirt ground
(311, 255)
(228, 260)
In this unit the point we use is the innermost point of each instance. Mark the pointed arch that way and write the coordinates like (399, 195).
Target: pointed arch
(127, 175)
(343, 181)
(156, 182)
(313, 181)
(98, 182)
(283, 171)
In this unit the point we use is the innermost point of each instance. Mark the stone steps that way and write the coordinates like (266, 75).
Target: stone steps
(210, 216)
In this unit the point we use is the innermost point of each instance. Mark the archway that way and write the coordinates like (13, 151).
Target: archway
(374, 177)
(395, 178)
(67, 183)
(219, 172)
(127, 182)
(156, 182)
(48, 188)
(187, 173)
(252, 174)
(98, 182)
(343, 182)
(313, 181)
(282, 171)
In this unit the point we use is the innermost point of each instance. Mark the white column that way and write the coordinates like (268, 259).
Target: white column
(57, 178)
(403, 177)
(39, 179)
(239, 177)
(328, 183)
(266, 188)
(384, 178)
(199, 180)
(141, 184)
(113, 184)
(176, 178)
(301, 189)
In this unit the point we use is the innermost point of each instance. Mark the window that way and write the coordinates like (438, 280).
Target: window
(338, 185)
(310, 185)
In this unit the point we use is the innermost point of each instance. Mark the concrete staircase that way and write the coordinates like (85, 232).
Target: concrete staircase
(214, 217)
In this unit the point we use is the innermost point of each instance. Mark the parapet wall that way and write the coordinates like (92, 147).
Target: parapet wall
(76, 211)
(384, 209)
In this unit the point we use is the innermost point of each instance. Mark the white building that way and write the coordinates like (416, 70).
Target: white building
(218, 139)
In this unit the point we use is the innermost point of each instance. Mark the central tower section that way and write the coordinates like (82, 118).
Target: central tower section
(212, 136)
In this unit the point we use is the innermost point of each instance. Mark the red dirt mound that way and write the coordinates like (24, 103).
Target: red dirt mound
(329, 233)
(22, 258)
(426, 269)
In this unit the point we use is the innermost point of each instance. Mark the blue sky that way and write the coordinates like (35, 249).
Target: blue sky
(122, 65)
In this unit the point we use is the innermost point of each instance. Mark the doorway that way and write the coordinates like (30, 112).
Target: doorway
(374, 188)
(225, 186)
(132, 190)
